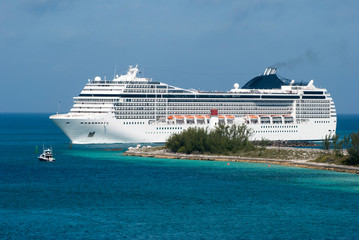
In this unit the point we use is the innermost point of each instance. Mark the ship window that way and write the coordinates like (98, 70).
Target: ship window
(82, 122)
(67, 122)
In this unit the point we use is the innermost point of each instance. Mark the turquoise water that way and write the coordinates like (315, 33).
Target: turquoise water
(90, 193)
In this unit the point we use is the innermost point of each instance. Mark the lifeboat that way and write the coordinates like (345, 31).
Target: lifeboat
(276, 118)
(264, 118)
(288, 118)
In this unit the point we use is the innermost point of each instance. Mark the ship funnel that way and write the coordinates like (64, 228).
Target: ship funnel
(265, 71)
(269, 71)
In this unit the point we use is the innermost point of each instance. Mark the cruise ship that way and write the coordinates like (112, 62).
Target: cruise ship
(132, 109)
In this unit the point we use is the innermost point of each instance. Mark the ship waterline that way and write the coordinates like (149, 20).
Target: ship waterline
(129, 109)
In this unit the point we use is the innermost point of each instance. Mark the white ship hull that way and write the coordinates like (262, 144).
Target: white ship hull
(105, 130)
(129, 109)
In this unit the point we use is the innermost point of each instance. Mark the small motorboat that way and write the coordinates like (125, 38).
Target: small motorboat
(47, 156)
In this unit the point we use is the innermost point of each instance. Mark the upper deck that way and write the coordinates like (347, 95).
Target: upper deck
(128, 96)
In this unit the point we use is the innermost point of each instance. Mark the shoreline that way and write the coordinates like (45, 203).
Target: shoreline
(292, 163)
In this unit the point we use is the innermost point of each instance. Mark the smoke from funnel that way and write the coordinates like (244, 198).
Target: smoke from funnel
(309, 57)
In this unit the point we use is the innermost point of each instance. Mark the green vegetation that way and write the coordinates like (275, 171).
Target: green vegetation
(230, 140)
(326, 143)
(334, 150)
(279, 153)
(330, 157)
(222, 140)
(353, 150)
(234, 140)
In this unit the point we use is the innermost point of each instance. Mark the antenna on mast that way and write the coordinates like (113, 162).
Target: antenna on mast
(114, 75)
(58, 107)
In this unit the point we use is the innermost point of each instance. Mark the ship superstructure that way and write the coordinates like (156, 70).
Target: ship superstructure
(133, 109)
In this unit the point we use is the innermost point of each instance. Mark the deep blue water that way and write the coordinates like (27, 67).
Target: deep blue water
(347, 123)
(90, 193)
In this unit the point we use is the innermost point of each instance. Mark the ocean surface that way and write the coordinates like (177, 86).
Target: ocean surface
(93, 193)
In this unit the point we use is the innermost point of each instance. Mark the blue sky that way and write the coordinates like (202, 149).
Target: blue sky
(49, 48)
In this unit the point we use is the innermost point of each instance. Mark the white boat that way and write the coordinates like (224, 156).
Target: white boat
(47, 156)
(131, 109)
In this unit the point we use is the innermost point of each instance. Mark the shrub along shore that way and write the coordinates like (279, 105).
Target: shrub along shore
(231, 143)
(162, 152)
